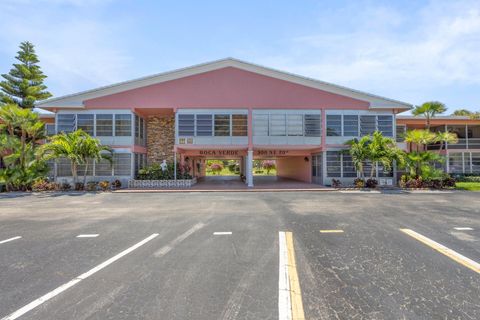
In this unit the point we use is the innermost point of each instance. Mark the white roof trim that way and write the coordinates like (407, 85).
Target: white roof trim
(76, 100)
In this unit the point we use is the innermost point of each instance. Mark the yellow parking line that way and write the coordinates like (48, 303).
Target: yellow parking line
(295, 291)
(331, 231)
(464, 261)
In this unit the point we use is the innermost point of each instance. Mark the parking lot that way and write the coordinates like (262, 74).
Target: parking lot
(259, 255)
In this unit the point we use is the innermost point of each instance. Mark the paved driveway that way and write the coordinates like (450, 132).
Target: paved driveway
(240, 256)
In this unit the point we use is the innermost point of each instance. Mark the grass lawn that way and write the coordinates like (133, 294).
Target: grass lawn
(470, 186)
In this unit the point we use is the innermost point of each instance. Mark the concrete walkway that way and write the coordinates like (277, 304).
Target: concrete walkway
(234, 184)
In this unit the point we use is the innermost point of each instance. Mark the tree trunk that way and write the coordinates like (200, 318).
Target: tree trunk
(74, 172)
(428, 122)
(85, 173)
(372, 172)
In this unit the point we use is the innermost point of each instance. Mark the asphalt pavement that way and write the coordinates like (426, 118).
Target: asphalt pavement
(219, 256)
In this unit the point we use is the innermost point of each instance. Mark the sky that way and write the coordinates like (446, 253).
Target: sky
(413, 51)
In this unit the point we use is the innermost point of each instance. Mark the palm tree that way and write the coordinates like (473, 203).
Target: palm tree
(445, 137)
(376, 149)
(20, 129)
(384, 150)
(94, 151)
(429, 110)
(78, 147)
(420, 137)
(359, 152)
(417, 162)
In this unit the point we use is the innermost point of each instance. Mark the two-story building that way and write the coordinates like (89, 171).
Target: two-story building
(463, 157)
(226, 109)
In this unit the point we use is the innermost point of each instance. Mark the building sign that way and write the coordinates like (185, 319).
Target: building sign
(271, 153)
(221, 153)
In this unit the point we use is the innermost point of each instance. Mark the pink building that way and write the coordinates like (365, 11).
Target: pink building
(227, 109)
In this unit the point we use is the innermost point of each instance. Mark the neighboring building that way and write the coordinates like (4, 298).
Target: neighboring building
(227, 109)
(464, 156)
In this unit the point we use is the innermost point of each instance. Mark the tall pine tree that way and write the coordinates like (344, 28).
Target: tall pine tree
(23, 85)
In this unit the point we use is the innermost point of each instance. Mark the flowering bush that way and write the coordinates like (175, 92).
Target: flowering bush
(216, 168)
(268, 165)
(104, 185)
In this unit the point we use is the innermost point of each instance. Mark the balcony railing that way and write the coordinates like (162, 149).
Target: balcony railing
(472, 143)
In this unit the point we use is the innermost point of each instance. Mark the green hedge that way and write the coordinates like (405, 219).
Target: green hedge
(468, 178)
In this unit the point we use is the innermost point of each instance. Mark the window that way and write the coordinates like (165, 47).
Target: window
(142, 128)
(186, 125)
(400, 132)
(222, 125)
(312, 125)
(140, 161)
(349, 170)
(334, 164)
(103, 168)
(105, 125)
(204, 125)
(334, 125)
(294, 124)
(455, 162)
(382, 172)
(385, 125)
(86, 123)
(122, 164)
(51, 168)
(49, 129)
(260, 125)
(66, 123)
(367, 125)
(475, 162)
(239, 125)
(350, 125)
(81, 168)
(277, 125)
(64, 168)
(123, 125)
(137, 126)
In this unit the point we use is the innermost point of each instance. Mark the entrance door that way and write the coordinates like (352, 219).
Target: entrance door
(317, 176)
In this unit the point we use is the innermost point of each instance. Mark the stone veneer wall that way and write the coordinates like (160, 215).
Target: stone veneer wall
(160, 138)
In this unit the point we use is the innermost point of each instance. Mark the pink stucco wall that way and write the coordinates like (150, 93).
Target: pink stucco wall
(227, 87)
(295, 168)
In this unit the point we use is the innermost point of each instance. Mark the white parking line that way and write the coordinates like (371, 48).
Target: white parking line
(464, 261)
(284, 302)
(32, 305)
(463, 228)
(166, 249)
(221, 233)
(11, 239)
(93, 235)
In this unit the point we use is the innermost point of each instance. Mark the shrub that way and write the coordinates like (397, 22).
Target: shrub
(216, 168)
(3, 187)
(268, 165)
(414, 183)
(403, 181)
(104, 185)
(79, 186)
(91, 186)
(359, 183)
(65, 186)
(371, 183)
(467, 178)
(155, 172)
(117, 184)
(448, 182)
(336, 183)
(42, 185)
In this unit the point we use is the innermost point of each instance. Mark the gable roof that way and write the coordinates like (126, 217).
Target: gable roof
(76, 100)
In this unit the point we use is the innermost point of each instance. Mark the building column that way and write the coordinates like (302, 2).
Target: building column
(249, 173)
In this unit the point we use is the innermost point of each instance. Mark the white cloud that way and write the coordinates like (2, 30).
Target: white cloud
(77, 50)
(384, 49)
